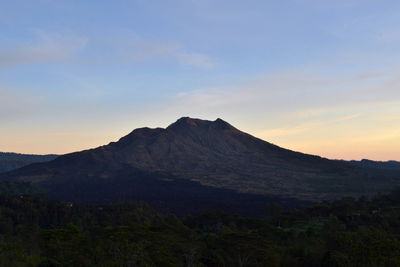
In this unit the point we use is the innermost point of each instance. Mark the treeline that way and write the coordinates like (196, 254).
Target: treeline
(35, 231)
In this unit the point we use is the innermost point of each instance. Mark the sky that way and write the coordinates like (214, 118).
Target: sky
(320, 77)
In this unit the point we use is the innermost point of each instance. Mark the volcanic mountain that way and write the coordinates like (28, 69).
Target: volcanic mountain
(199, 154)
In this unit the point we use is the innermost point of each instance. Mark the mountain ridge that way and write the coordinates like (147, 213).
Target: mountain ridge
(387, 165)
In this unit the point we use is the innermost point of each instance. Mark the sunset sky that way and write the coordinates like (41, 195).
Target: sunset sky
(320, 77)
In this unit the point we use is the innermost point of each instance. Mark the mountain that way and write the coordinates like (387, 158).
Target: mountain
(200, 163)
(11, 161)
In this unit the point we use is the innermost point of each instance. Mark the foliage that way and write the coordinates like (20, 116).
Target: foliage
(35, 231)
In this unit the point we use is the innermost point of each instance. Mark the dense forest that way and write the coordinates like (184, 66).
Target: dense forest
(36, 231)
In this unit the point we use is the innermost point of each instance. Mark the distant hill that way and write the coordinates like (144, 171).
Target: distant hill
(383, 165)
(197, 163)
(11, 161)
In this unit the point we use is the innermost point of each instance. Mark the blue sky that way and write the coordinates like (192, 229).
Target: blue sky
(321, 77)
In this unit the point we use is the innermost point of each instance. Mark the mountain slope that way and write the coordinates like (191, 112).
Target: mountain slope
(212, 154)
(11, 161)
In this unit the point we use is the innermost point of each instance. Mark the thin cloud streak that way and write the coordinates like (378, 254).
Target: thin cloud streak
(128, 48)
(139, 50)
(295, 91)
(45, 47)
(197, 60)
(303, 127)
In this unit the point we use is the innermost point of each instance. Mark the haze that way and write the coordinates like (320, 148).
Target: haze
(320, 77)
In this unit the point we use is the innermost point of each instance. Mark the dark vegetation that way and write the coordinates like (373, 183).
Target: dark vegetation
(35, 231)
(11, 161)
(165, 194)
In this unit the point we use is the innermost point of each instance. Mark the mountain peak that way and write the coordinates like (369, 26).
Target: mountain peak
(186, 121)
(192, 123)
(221, 124)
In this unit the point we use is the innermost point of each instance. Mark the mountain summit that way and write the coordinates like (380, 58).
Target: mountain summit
(186, 123)
(206, 154)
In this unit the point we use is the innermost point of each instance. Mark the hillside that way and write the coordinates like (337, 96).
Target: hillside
(11, 161)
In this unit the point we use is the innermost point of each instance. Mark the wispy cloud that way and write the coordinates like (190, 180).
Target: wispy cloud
(295, 91)
(133, 48)
(292, 130)
(43, 47)
(196, 60)
(369, 75)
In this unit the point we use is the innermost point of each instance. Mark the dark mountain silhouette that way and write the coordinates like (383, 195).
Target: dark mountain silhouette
(383, 165)
(200, 162)
(11, 161)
